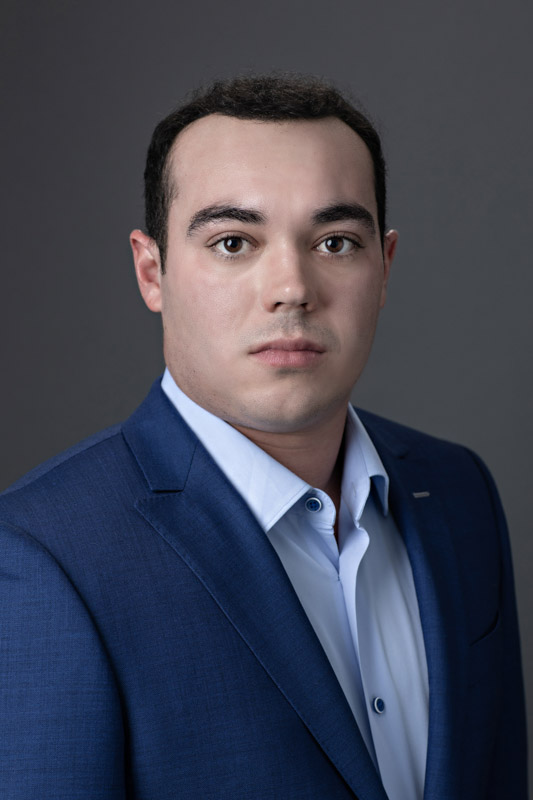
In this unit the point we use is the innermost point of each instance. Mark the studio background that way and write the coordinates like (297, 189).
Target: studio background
(449, 86)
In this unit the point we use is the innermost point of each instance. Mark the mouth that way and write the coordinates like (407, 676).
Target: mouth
(291, 353)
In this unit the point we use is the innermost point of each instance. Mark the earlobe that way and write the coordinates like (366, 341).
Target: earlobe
(147, 268)
(389, 249)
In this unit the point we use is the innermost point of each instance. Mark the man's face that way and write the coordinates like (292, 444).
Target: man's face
(274, 273)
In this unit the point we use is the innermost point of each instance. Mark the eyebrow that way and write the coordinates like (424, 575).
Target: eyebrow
(221, 212)
(332, 213)
(342, 211)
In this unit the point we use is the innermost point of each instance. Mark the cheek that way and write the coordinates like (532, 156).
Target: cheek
(202, 309)
(357, 310)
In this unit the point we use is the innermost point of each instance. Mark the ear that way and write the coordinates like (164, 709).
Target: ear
(389, 249)
(147, 268)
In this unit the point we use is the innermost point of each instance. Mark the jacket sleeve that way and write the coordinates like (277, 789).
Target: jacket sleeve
(509, 762)
(61, 733)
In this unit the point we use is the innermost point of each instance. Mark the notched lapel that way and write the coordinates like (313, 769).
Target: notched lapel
(221, 542)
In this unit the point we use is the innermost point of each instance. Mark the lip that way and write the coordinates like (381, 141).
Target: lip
(288, 346)
(288, 353)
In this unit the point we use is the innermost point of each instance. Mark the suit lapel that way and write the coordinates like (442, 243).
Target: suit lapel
(415, 504)
(209, 526)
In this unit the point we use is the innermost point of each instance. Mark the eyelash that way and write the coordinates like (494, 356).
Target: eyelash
(229, 256)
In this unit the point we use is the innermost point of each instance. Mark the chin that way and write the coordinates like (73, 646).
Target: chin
(284, 417)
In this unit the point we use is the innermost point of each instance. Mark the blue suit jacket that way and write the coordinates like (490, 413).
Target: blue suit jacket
(153, 647)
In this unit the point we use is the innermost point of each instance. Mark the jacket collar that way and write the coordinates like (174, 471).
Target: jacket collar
(162, 443)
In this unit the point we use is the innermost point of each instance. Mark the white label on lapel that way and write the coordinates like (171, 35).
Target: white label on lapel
(417, 495)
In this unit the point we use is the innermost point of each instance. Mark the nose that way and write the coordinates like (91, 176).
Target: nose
(288, 281)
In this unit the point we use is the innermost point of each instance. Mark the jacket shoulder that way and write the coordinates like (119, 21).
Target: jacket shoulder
(97, 473)
(401, 437)
(77, 454)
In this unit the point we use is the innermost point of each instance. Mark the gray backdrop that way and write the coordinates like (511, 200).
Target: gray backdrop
(449, 84)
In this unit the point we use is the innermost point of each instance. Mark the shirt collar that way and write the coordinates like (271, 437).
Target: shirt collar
(269, 488)
(362, 468)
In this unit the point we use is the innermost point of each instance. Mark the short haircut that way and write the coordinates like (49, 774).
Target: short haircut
(266, 98)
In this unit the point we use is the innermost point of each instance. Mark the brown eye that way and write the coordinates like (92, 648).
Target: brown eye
(334, 244)
(337, 245)
(233, 244)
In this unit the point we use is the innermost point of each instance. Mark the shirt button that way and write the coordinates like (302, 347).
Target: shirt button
(378, 705)
(313, 504)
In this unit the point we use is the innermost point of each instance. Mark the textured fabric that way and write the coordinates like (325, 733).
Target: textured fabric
(142, 659)
(358, 595)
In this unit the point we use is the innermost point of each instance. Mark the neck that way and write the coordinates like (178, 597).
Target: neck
(315, 455)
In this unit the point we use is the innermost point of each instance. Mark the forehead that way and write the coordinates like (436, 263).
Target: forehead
(303, 162)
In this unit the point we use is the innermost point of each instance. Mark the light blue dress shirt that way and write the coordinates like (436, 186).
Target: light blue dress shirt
(358, 594)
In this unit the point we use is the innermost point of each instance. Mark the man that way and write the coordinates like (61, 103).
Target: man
(247, 590)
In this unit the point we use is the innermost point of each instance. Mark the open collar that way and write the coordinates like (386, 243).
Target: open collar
(269, 488)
